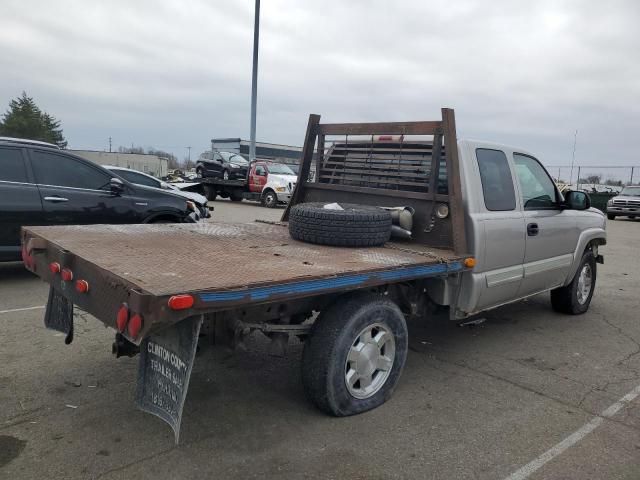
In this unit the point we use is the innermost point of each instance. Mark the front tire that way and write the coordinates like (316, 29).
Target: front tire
(354, 355)
(270, 199)
(575, 298)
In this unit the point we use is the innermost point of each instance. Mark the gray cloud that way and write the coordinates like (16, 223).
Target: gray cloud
(171, 74)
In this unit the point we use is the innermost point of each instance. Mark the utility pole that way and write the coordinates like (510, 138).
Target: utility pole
(109, 144)
(254, 83)
(573, 156)
(189, 155)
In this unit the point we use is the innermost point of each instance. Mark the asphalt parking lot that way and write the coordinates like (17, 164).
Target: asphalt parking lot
(475, 402)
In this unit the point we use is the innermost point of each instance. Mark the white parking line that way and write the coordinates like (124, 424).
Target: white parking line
(575, 437)
(22, 309)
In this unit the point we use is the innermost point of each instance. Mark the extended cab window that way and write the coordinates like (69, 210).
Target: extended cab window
(497, 183)
(63, 171)
(537, 188)
(260, 171)
(12, 166)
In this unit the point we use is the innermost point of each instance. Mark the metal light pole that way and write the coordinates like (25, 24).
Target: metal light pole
(254, 82)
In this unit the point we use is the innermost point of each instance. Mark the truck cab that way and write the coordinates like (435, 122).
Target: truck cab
(273, 182)
(525, 235)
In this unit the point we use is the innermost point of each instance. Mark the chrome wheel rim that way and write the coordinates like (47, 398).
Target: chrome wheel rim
(270, 199)
(369, 361)
(585, 279)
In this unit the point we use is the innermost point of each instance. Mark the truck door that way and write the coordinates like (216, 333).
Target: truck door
(551, 232)
(258, 177)
(501, 227)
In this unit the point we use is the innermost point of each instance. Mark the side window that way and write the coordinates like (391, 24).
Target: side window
(538, 190)
(134, 177)
(497, 183)
(63, 171)
(260, 171)
(12, 167)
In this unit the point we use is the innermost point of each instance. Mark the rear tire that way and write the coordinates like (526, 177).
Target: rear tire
(575, 298)
(210, 193)
(610, 216)
(270, 199)
(236, 197)
(354, 355)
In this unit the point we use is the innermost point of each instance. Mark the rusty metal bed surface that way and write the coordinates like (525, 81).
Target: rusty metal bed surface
(165, 259)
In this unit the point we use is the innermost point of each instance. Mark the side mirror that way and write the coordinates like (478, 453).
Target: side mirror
(116, 186)
(575, 200)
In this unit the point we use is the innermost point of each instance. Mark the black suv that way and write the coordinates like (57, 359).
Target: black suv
(42, 185)
(225, 165)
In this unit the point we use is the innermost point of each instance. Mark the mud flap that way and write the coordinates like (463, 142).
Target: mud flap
(166, 360)
(59, 315)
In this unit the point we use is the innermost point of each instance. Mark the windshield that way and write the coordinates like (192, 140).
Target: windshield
(233, 158)
(631, 191)
(279, 168)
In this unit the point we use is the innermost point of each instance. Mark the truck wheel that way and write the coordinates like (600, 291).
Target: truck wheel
(610, 216)
(210, 193)
(575, 298)
(236, 197)
(269, 199)
(354, 355)
(354, 226)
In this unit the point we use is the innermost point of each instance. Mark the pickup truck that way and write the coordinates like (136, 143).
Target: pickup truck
(269, 183)
(626, 203)
(489, 227)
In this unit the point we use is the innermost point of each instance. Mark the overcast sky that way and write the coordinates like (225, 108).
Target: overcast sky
(170, 74)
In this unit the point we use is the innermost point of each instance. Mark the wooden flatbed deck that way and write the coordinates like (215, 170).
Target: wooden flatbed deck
(162, 260)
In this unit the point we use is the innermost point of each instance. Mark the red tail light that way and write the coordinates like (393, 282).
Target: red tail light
(123, 317)
(135, 325)
(82, 286)
(180, 302)
(67, 275)
(54, 267)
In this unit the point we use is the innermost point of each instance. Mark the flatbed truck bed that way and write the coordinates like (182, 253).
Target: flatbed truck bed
(220, 264)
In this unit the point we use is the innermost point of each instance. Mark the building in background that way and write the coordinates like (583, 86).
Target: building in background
(143, 162)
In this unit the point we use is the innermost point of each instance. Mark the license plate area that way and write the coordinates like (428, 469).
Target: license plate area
(59, 314)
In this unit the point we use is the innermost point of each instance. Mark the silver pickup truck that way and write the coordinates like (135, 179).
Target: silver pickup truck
(627, 203)
(488, 227)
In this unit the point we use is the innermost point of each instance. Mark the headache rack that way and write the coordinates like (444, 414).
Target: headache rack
(388, 164)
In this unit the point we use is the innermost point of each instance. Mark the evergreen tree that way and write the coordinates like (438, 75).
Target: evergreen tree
(25, 120)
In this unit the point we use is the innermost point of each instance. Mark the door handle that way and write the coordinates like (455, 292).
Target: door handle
(532, 229)
(56, 199)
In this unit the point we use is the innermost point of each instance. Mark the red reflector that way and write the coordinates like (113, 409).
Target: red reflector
(67, 275)
(27, 259)
(54, 267)
(135, 325)
(180, 302)
(385, 138)
(123, 317)
(82, 286)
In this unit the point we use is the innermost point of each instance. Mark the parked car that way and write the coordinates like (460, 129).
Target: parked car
(627, 203)
(43, 185)
(225, 165)
(146, 180)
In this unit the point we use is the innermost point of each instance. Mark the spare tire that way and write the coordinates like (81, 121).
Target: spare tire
(353, 226)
